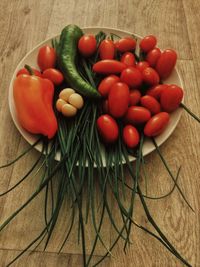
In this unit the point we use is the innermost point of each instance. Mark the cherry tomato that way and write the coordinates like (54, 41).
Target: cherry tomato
(156, 124)
(150, 76)
(155, 91)
(25, 71)
(106, 84)
(142, 65)
(46, 57)
(166, 63)
(108, 66)
(148, 43)
(171, 98)
(137, 115)
(108, 128)
(128, 58)
(87, 45)
(125, 44)
(132, 77)
(53, 75)
(150, 103)
(118, 99)
(153, 56)
(135, 96)
(131, 136)
(107, 49)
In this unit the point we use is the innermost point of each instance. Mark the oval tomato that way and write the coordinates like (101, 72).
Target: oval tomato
(53, 75)
(108, 128)
(25, 71)
(142, 65)
(106, 84)
(118, 99)
(153, 56)
(148, 43)
(87, 45)
(171, 97)
(137, 115)
(125, 44)
(107, 49)
(166, 63)
(156, 91)
(46, 57)
(157, 124)
(128, 58)
(150, 76)
(108, 66)
(132, 77)
(131, 136)
(135, 96)
(150, 103)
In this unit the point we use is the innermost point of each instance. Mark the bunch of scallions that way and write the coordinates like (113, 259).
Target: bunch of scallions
(85, 164)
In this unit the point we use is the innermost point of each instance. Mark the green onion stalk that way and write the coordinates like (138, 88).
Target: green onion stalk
(84, 167)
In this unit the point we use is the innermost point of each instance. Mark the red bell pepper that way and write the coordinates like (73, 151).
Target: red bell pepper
(33, 97)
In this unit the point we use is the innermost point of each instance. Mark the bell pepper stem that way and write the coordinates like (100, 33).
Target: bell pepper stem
(29, 69)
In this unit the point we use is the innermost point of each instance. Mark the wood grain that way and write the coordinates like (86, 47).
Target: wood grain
(176, 24)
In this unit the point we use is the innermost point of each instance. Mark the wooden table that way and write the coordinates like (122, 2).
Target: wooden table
(23, 25)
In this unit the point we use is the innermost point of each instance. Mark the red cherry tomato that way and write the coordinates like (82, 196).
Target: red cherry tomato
(125, 44)
(128, 58)
(131, 136)
(107, 49)
(46, 57)
(25, 71)
(135, 96)
(108, 128)
(118, 99)
(153, 56)
(137, 115)
(166, 63)
(108, 66)
(106, 84)
(132, 77)
(53, 75)
(150, 76)
(156, 91)
(150, 103)
(142, 65)
(171, 98)
(157, 124)
(87, 45)
(148, 43)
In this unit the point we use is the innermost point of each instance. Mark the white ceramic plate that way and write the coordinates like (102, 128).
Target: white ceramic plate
(30, 59)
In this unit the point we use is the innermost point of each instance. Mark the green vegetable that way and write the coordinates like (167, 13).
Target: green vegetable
(67, 53)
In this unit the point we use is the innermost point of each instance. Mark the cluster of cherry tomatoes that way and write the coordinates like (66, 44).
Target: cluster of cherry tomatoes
(132, 90)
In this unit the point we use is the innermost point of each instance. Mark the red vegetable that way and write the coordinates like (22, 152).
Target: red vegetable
(107, 49)
(25, 71)
(153, 56)
(171, 98)
(128, 58)
(108, 128)
(125, 44)
(157, 124)
(132, 77)
(106, 84)
(148, 43)
(118, 99)
(135, 96)
(142, 65)
(130, 136)
(156, 91)
(46, 57)
(150, 103)
(109, 66)
(137, 115)
(166, 63)
(150, 76)
(87, 45)
(53, 75)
